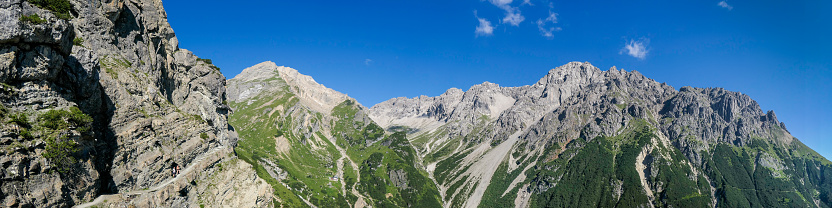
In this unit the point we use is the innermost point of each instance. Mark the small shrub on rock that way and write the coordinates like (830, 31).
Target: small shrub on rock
(60, 8)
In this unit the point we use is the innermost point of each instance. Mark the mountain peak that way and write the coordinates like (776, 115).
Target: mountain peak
(314, 95)
(263, 70)
(570, 70)
(453, 91)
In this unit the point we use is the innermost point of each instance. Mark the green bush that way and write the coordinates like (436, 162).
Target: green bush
(60, 153)
(34, 18)
(52, 119)
(207, 61)
(60, 8)
(61, 119)
(78, 41)
(203, 135)
(26, 134)
(20, 119)
(79, 120)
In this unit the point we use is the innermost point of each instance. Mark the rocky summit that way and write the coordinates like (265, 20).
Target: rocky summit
(99, 107)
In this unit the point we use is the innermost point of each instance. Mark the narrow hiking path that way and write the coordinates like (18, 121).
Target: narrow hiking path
(361, 202)
(188, 169)
(341, 179)
(307, 202)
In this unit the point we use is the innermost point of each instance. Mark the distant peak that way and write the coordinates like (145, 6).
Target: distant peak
(572, 69)
(262, 70)
(266, 64)
(312, 94)
(453, 90)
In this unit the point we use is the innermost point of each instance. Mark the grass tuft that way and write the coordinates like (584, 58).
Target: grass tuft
(33, 18)
(60, 8)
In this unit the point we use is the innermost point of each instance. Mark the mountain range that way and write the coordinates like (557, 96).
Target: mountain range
(100, 107)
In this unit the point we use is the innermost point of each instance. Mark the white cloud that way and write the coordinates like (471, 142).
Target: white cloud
(553, 17)
(636, 48)
(513, 15)
(545, 32)
(500, 3)
(527, 2)
(724, 4)
(548, 31)
(485, 28)
(368, 62)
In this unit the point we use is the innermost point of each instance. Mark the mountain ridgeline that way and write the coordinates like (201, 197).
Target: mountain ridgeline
(582, 137)
(579, 137)
(99, 107)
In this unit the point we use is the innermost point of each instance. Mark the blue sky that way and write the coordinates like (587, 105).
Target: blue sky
(778, 52)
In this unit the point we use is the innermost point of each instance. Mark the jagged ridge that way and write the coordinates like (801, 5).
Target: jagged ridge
(550, 122)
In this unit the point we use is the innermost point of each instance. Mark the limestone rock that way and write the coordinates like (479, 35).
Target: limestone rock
(153, 105)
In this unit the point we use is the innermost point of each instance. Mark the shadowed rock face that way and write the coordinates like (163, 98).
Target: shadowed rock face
(153, 104)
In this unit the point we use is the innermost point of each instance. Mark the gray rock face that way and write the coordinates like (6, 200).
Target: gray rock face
(716, 115)
(398, 178)
(153, 104)
(36, 68)
(568, 91)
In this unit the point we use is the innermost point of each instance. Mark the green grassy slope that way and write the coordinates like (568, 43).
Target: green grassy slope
(309, 159)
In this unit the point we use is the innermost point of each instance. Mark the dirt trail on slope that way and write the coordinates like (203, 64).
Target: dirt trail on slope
(188, 169)
(360, 202)
(307, 202)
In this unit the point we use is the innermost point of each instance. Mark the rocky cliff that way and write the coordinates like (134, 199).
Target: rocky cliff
(150, 106)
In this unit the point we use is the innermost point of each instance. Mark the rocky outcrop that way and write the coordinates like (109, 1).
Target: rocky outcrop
(712, 115)
(153, 104)
(228, 183)
(41, 70)
(398, 178)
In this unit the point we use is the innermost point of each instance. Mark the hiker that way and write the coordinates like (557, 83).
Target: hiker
(174, 169)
